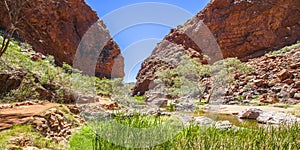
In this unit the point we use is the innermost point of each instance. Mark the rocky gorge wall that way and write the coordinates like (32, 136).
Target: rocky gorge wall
(56, 27)
(242, 28)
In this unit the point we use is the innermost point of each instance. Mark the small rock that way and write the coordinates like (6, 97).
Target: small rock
(259, 82)
(223, 125)
(272, 82)
(269, 98)
(295, 66)
(284, 74)
(292, 93)
(185, 107)
(160, 102)
(291, 101)
(203, 121)
(233, 103)
(186, 119)
(288, 81)
(297, 96)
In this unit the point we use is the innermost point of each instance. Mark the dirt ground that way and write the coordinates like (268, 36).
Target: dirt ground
(21, 114)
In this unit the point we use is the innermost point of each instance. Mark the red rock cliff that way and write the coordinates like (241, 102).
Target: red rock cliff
(56, 27)
(242, 28)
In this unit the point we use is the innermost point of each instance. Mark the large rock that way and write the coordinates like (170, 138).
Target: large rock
(11, 80)
(57, 27)
(242, 28)
(277, 118)
(251, 113)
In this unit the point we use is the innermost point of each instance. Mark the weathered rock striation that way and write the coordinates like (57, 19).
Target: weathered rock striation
(56, 27)
(242, 28)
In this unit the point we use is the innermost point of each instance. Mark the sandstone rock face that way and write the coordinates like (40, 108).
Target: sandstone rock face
(242, 28)
(57, 27)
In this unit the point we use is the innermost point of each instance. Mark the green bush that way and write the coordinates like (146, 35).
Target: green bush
(285, 49)
(186, 78)
(60, 81)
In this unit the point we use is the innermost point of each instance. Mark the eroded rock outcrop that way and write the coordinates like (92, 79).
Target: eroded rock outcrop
(242, 28)
(56, 27)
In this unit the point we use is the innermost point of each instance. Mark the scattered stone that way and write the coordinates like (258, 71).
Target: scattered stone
(297, 96)
(269, 98)
(186, 107)
(37, 56)
(203, 121)
(291, 101)
(53, 124)
(295, 66)
(234, 103)
(74, 109)
(186, 119)
(284, 74)
(160, 102)
(110, 106)
(223, 125)
(276, 118)
(259, 82)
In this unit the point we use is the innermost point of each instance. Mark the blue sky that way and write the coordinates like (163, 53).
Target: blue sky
(138, 25)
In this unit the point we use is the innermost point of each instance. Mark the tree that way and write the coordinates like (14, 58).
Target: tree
(15, 19)
(184, 80)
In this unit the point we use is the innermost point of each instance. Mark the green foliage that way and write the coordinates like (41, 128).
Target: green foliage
(25, 91)
(83, 140)
(185, 79)
(224, 69)
(171, 107)
(285, 49)
(196, 137)
(240, 98)
(26, 132)
(140, 98)
(60, 81)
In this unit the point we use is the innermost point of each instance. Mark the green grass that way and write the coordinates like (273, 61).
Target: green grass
(285, 49)
(26, 132)
(140, 98)
(191, 137)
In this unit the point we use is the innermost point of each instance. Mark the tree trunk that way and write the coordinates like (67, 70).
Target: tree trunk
(6, 41)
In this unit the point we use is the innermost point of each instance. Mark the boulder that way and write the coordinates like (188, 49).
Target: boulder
(251, 113)
(297, 96)
(284, 74)
(11, 80)
(203, 121)
(277, 118)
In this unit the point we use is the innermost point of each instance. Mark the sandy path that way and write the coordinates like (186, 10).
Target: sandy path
(21, 114)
